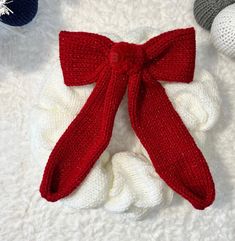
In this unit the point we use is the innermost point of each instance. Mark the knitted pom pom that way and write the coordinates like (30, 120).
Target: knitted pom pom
(17, 12)
(223, 31)
(205, 11)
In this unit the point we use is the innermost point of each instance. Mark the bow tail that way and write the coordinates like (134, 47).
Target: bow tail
(84, 140)
(171, 148)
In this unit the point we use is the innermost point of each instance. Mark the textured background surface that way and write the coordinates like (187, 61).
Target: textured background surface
(26, 57)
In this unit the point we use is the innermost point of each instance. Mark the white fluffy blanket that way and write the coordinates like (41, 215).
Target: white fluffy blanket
(27, 55)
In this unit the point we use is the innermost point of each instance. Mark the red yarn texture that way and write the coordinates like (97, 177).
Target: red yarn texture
(116, 67)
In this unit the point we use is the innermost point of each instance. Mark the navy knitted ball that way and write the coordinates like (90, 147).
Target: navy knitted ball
(22, 12)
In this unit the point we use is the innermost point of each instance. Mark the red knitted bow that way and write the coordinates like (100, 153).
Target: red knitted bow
(116, 67)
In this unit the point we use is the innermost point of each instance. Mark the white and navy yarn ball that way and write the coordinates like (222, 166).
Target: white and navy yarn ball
(218, 16)
(17, 12)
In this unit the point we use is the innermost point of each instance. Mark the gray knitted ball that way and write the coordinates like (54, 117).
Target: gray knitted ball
(205, 11)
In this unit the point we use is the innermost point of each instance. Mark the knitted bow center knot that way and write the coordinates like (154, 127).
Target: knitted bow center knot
(125, 57)
(91, 58)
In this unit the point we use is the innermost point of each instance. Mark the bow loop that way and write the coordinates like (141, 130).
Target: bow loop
(171, 56)
(82, 56)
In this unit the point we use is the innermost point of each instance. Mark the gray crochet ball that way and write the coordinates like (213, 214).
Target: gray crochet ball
(205, 11)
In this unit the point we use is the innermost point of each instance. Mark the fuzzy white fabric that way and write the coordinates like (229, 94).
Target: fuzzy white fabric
(223, 31)
(126, 182)
(3, 8)
(29, 53)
